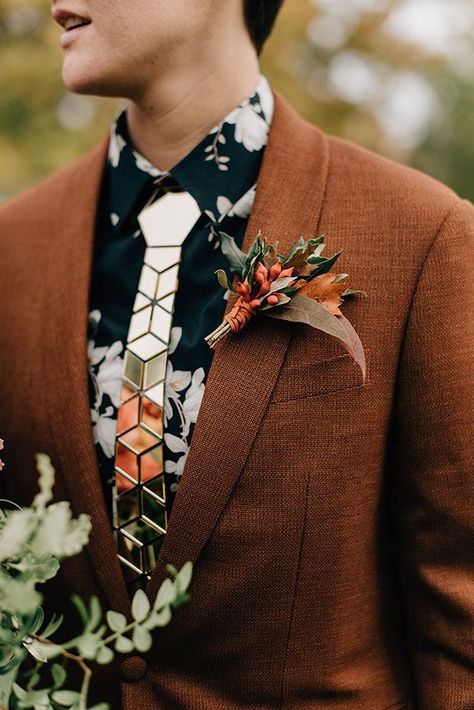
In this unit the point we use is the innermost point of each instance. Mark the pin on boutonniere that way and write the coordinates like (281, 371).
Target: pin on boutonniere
(299, 287)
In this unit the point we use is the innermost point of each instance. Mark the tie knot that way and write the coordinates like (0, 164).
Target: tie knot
(167, 183)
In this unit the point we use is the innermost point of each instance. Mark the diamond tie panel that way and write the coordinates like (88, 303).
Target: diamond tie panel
(140, 516)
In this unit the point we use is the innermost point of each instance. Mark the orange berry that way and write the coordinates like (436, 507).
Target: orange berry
(275, 271)
(272, 300)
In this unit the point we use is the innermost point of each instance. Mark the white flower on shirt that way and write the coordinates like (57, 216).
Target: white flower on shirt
(145, 165)
(242, 208)
(116, 144)
(104, 427)
(107, 378)
(250, 128)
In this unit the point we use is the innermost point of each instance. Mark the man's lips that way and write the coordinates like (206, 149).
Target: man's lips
(70, 19)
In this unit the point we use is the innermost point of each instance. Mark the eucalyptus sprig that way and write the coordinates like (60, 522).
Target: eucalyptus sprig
(33, 541)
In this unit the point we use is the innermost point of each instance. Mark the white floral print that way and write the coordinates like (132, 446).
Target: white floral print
(183, 396)
(116, 144)
(250, 128)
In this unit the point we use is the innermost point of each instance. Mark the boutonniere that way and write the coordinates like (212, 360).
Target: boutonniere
(299, 287)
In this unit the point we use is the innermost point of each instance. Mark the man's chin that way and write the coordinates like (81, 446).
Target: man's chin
(82, 81)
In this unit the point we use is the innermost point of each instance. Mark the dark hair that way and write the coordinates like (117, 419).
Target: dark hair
(260, 16)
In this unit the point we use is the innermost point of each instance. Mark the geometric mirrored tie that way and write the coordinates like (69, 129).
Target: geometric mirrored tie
(139, 497)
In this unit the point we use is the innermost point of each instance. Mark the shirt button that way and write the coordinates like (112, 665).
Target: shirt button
(133, 669)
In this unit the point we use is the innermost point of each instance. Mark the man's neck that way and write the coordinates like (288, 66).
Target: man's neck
(178, 112)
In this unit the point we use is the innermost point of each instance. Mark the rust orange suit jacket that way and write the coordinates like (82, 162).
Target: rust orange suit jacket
(330, 521)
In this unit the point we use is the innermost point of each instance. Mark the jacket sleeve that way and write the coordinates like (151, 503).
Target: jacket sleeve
(432, 493)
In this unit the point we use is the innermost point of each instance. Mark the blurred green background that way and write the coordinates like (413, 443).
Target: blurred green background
(396, 76)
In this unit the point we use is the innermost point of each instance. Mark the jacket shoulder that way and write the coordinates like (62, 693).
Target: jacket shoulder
(386, 191)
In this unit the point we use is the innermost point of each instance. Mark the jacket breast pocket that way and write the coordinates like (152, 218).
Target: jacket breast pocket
(333, 374)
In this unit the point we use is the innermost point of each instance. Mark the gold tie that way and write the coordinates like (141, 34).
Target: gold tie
(139, 498)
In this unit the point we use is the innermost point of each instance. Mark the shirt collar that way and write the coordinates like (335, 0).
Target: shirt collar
(220, 172)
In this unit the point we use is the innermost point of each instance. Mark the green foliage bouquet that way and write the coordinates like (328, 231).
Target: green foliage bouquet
(33, 667)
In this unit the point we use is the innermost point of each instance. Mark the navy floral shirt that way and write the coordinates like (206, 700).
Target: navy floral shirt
(221, 174)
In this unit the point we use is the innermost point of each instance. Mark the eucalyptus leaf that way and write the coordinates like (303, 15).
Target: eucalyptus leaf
(163, 617)
(166, 594)
(59, 675)
(183, 579)
(34, 698)
(233, 254)
(66, 698)
(87, 645)
(105, 655)
(52, 626)
(123, 645)
(116, 621)
(140, 606)
(81, 608)
(37, 621)
(142, 639)
(49, 650)
(95, 613)
(33, 647)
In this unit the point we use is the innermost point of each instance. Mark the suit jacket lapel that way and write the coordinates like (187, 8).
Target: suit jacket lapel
(69, 271)
(289, 197)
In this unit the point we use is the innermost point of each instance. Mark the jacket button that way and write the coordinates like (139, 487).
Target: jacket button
(133, 669)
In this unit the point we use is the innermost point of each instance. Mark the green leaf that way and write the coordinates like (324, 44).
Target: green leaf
(59, 534)
(46, 482)
(37, 621)
(183, 580)
(87, 645)
(95, 613)
(105, 655)
(19, 596)
(302, 309)
(123, 645)
(19, 691)
(166, 594)
(116, 621)
(140, 606)
(171, 569)
(223, 280)
(81, 608)
(100, 706)
(352, 292)
(163, 617)
(66, 698)
(16, 533)
(33, 647)
(142, 639)
(324, 263)
(59, 675)
(49, 650)
(233, 254)
(53, 626)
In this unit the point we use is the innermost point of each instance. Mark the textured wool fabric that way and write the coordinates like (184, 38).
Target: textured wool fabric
(330, 521)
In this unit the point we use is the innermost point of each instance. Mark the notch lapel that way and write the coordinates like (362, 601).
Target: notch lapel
(68, 272)
(290, 191)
